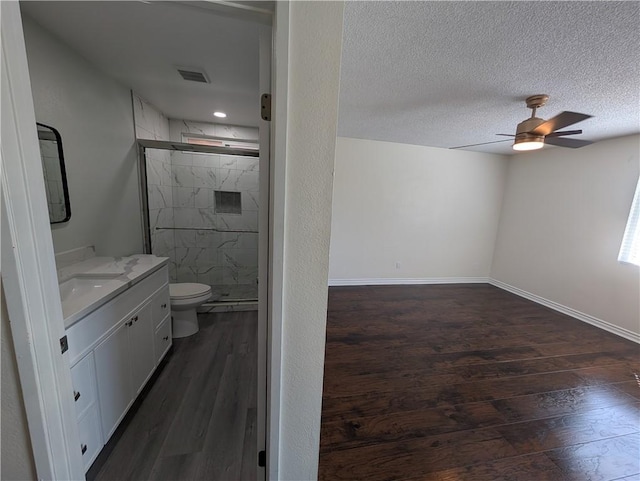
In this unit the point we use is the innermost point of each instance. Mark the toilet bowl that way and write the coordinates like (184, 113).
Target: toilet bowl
(185, 299)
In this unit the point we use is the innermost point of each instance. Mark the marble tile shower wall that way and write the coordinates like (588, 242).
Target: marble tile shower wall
(181, 197)
(160, 202)
(184, 199)
(202, 253)
(150, 123)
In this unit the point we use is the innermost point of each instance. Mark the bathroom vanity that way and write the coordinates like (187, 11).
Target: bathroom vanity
(118, 327)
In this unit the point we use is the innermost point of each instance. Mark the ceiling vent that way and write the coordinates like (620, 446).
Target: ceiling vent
(193, 75)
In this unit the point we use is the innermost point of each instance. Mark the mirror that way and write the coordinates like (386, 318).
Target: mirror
(55, 176)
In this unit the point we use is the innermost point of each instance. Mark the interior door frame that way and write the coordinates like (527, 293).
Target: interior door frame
(277, 195)
(29, 276)
(264, 142)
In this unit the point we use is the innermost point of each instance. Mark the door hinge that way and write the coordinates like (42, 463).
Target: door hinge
(64, 345)
(265, 107)
(262, 459)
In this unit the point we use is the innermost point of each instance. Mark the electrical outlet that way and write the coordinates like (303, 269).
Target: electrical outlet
(397, 264)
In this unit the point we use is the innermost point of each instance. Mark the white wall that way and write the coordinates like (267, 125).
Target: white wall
(94, 117)
(435, 211)
(17, 459)
(563, 217)
(315, 40)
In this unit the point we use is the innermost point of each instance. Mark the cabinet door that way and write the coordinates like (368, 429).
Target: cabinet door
(113, 373)
(141, 334)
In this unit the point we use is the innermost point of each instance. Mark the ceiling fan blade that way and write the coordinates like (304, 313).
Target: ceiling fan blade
(560, 121)
(564, 132)
(571, 143)
(483, 143)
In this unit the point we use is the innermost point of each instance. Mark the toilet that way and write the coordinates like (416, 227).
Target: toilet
(185, 299)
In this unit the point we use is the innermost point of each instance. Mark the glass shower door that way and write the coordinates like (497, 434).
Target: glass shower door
(203, 215)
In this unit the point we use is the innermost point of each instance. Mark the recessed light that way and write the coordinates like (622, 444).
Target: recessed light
(221, 115)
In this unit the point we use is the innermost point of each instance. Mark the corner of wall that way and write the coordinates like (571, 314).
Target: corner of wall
(505, 185)
(563, 216)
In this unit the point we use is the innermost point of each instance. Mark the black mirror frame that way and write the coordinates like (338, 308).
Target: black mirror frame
(63, 174)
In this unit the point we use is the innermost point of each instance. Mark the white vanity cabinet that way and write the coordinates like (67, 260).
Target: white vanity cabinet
(113, 353)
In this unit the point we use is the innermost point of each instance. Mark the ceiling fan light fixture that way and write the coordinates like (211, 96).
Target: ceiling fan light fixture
(528, 143)
(533, 133)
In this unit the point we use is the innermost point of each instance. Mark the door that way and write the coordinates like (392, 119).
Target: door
(113, 374)
(263, 250)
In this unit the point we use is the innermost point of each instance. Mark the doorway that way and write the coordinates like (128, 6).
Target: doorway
(261, 272)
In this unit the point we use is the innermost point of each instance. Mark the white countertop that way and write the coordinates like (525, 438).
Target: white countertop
(119, 274)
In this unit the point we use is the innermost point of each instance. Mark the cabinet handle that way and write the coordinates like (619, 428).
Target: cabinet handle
(83, 448)
(76, 395)
(129, 323)
(165, 338)
(135, 319)
(164, 306)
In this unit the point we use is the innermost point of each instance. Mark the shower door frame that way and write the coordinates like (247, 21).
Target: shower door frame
(144, 144)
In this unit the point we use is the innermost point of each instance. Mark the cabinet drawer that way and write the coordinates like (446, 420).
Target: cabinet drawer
(90, 436)
(163, 339)
(83, 378)
(161, 305)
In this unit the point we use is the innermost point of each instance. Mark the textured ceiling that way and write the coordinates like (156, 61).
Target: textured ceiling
(446, 74)
(141, 43)
(437, 73)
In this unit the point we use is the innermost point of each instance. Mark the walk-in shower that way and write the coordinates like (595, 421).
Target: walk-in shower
(202, 212)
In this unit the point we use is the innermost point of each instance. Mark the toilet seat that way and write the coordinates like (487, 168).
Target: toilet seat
(188, 290)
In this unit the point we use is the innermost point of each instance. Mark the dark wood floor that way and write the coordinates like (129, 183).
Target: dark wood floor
(469, 382)
(198, 420)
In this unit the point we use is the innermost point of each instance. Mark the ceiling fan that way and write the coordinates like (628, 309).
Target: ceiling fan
(533, 133)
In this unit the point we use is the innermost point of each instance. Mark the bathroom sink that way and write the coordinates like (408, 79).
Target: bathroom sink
(83, 284)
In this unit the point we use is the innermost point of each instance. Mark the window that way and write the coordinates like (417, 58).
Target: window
(630, 249)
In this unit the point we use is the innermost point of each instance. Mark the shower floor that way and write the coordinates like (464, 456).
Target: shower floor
(235, 292)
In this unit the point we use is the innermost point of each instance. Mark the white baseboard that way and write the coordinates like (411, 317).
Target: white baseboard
(594, 321)
(407, 281)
